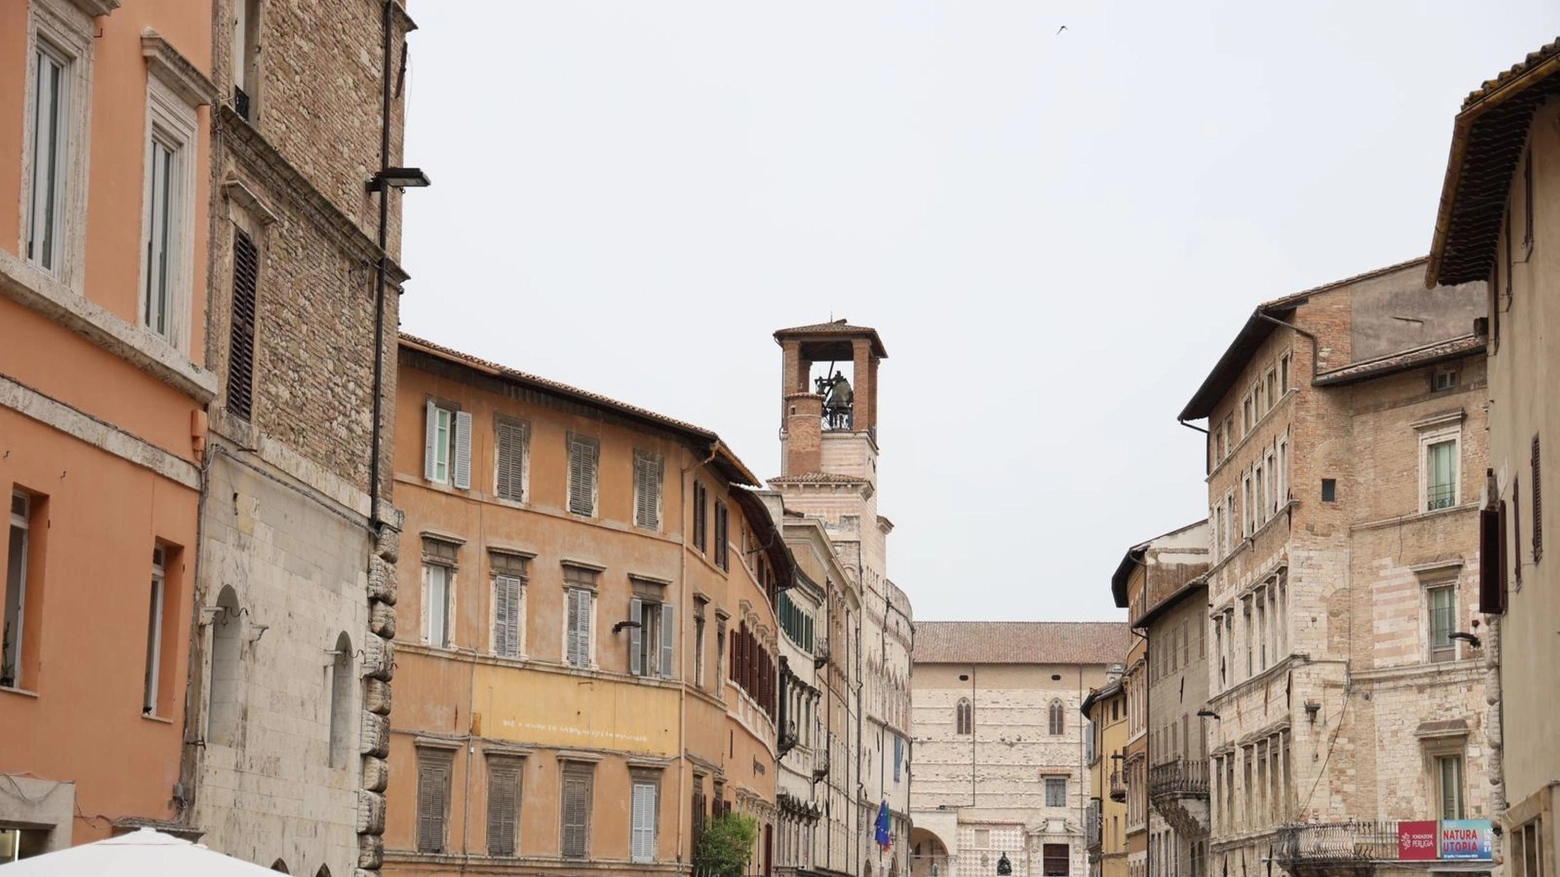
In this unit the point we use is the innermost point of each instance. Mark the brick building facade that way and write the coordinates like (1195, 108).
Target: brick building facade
(1345, 452)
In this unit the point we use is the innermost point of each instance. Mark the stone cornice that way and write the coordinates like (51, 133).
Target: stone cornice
(283, 180)
(140, 347)
(96, 8)
(176, 71)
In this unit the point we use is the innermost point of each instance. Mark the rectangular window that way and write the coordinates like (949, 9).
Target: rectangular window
(698, 646)
(651, 645)
(1536, 486)
(1247, 415)
(1441, 607)
(512, 439)
(1230, 524)
(503, 815)
(246, 45)
(433, 798)
(162, 222)
(574, 812)
(241, 326)
(1271, 388)
(510, 575)
(1055, 860)
(154, 629)
(1259, 511)
(1441, 474)
(1443, 378)
(700, 505)
(436, 611)
(1248, 517)
(642, 847)
(647, 490)
(1329, 490)
(1283, 373)
(580, 598)
(722, 559)
(169, 212)
(50, 134)
(584, 456)
(447, 446)
(1448, 770)
(12, 672)
(1056, 791)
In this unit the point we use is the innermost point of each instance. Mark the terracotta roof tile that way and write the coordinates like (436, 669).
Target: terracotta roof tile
(1506, 76)
(1440, 351)
(817, 478)
(1021, 642)
(838, 327)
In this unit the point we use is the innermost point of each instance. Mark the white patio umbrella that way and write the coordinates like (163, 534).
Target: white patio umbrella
(142, 852)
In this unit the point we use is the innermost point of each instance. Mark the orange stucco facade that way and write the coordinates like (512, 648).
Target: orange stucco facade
(693, 716)
(101, 415)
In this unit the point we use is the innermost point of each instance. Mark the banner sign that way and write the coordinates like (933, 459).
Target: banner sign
(1465, 839)
(1418, 841)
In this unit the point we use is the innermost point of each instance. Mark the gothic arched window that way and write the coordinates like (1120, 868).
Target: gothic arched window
(964, 717)
(1058, 718)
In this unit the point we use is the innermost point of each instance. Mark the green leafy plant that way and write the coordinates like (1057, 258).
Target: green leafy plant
(726, 846)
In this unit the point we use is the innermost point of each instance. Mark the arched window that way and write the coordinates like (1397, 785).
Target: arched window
(964, 717)
(1058, 718)
(227, 673)
(322, 872)
(280, 867)
(341, 684)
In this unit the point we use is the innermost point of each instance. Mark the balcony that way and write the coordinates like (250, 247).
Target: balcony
(1179, 792)
(1118, 787)
(820, 652)
(820, 763)
(1335, 844)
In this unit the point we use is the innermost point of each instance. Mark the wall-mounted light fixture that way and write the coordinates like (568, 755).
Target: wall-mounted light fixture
(399, 178)
(1311, 709)
(1206, 713)
(618, 628)
(1468, 638)
(259, 631)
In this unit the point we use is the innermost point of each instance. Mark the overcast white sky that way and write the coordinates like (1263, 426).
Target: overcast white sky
(1056, 235)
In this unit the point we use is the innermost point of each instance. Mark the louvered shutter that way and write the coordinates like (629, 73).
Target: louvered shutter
(582, 476)
(503, 808)
(432, 804)
(241, 346)
(506, 616)
(636, 638)
(462, 474)
(431, 442)
(643, 845)
(576, 814)
(510, 442)
(1538, 506)
(644, 513)
(571, 628)
(668, 640)
(1492, 585)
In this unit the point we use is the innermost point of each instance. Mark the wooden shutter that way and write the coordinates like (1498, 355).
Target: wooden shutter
(642, 847)
(668, 640)
(431, 441)
(506, 615)
(636, 638)
(241, 345)
(1538, 501)
(721, 535)
(1492, 568)
(461, 476)
(582, 475)
(575, 811)
(647, 489)
(503, 806)
(699, 540)
(433, 788)
(509, 442)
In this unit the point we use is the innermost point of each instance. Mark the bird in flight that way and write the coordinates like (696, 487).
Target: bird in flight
(1060, 29)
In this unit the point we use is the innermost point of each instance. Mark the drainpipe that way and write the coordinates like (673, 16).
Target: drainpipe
(1315, 344)
(194, 688)
(379, 274)
(1496, 736)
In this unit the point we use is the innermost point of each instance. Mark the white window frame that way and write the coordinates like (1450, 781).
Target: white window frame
(172, 124)
(1427, 439)
(19, 521)
(1428, 616)
(1439, 759)
(1047, 788)
(446, 640)
(157, 609)
(66, 32)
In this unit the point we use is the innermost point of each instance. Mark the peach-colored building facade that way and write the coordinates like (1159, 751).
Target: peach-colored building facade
(585, 632)
(103, 222)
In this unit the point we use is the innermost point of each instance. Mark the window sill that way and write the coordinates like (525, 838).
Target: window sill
(155, 718)
(23, 692)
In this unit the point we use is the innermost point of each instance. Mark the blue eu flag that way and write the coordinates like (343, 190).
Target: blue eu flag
(883, 838)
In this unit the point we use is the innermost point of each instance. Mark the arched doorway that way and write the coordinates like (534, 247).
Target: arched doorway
(928, 855)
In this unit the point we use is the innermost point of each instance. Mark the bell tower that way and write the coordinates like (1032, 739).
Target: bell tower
(828, 421)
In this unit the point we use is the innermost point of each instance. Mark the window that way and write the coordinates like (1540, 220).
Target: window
(154, 629)
(722, 524)
(169, 214)
(1440, 474)
(580, 598)
(21, 587)
(1443, 378)
(503, 813)
(439, 563)
(1056, 791)
(511, 572)
(48, 156)
(964, 717)
(1271, 388)
(651, 645)
(1247, 418)
(1055, 859)
(584, 455)
(698, 643)
(578, 783)
(246, 45)
(1057, 718)
(511, 446)
(1449, 789)
(700, 510)
(447, 450)
(642, 845)
(647, 489)
(1283, 373)
(1329, 490)
(343, 729)
(1440, 602)
(1259, 512)
(433, 798)
(1248, 518)
(241, 326)
(1538, 506)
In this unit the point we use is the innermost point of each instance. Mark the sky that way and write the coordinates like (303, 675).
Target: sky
(1056, 233)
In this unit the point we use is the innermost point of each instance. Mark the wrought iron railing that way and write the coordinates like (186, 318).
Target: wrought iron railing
(1441, 496)
(1118, 787)
(1320, 843)
(1183, 777)
(241, 102)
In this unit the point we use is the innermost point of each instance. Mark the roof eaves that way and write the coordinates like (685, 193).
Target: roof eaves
(1393, 363)
(1175, 599)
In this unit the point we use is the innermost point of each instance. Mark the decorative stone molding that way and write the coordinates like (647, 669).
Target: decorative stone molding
(376, 735)
(378, 659)
(381, 581)
(95, 8)
(236, 192)
(381, 620)
(176, 71)
(376, 696)
(371, 815)
(376, 774)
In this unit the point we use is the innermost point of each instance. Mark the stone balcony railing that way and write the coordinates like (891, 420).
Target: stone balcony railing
(1118, 786)
(1335, 843)
(1185, 777)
